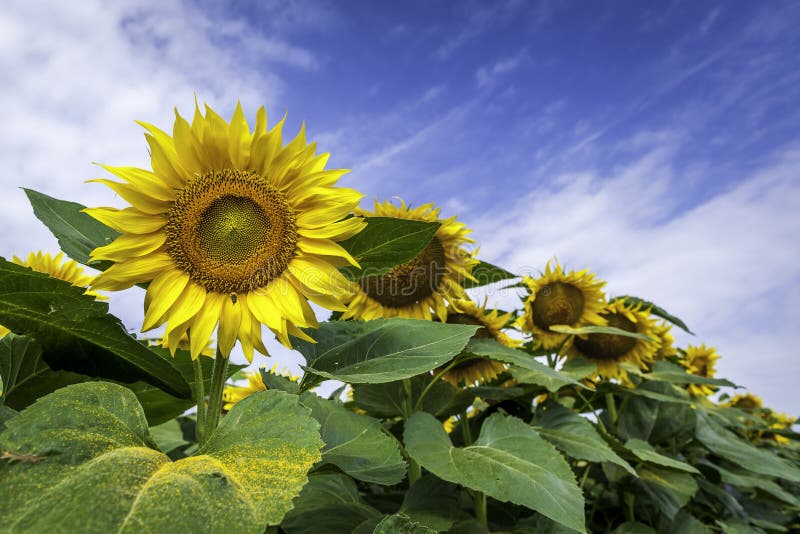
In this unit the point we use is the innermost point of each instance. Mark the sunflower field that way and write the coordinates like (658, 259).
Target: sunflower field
(573, 412)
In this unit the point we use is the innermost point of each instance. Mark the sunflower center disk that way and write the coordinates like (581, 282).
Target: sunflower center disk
(557, 303)
(609, 347)
(231, 231)
(409, 282)
(463, 318)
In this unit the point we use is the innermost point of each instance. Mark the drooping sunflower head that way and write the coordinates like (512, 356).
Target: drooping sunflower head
(608, 351)
(560, 298)
(700, 361)
(427, 282)
(492, 323)
(230, 228)
(56, 267)
(255, 383)
(745, 401)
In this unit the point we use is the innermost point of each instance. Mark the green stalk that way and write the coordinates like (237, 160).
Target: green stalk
(435, 379)
(478, 497)
(414, 469)
(200, 396)
(612, 408)
(218, 377)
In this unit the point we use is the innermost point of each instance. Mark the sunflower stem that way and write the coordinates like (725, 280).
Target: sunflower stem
(200, 397)
(414, 469)
(478, 497)
(436, 377)
(612, 408)
(218, 377)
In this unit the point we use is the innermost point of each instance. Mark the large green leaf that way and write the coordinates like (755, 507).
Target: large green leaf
(77, 233)
(744, 480)
(530, 371)
(585, 330)
(385, 243)
(574, 435)
(330, 501)
(725, 443)
(655, 310)
(77, 333)
(509, 462)
(382, 350)
(401, 524)
(646, 453)
(356, 443)
(485, 273)
(432, 502)
(669, 489)
(25, 376)
(87, 463)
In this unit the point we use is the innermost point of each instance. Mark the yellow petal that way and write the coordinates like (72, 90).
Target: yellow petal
(165, 164)
(187, 146)
(124, 275)
(128, 220)
(204, 323)
(186, 305)
(136, 197)
(299, 334)
(264, 148)
(129, 246)
(291, 302)
(144, 180)
(215, 141)
(339, 230)
(325, 247)
(229, 322)
(163, 291)
(240, 139)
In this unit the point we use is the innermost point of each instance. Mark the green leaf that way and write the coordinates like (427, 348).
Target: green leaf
(281, 383)
(382, 350)
(646, 453)
(584, 330)
(385, 243)
(655, 310)
(669, 490)
(432, 502)
(745, 480)
(530, 372)
(509, 462)
(669, 372)
(332, 500)
(6, 414)
(78, 234)
(725, 443)
(356, 443)
(401, 524)
(633, 527)
(574, 435)
(168, 436)
(89, 443)
(77, 333)
(578, 368)
(386, 400)
(24, 374)
(485, 273)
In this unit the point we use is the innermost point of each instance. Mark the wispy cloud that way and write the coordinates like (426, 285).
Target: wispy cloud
(486, 76)
(478, 21)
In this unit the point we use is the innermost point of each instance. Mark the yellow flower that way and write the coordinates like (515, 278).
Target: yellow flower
(559, 298)
(745, 401)
(700, 361)
(663, 334)
(68, 271)
(780, 421)
(607, 351)
(230, 228)
(425, 283)
(233, 394)
(478, 371)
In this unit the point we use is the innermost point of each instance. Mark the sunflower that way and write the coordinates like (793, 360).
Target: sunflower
(780, 421)
(255, 383)
(478, 371)
(230, 228)
(559, 298)
(700, 361)
(666, 347)
(55, 267)
(745, 401)
(607, 351)
(425, 283)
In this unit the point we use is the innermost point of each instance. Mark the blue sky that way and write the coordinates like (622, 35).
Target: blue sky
(655, 143)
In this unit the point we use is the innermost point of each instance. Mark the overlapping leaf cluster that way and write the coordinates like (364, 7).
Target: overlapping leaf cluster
(94, 437)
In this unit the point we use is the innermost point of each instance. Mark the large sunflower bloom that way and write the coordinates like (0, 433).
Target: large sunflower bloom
(478, 371)
(55, 267)
(608, 351)
(427, 282)
(560, 298)
(230, 228)
(700, 361)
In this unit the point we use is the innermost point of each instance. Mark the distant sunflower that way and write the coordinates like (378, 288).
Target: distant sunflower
(745, 401)
(700, 361)
(230, 228)
(666, 347)
(779, 421)
(427, 282)
(55, 267)
(478, 371)
(607, 351)
(255, 383)
(559, 298)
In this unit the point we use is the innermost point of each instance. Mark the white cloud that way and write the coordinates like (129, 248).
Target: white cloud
(487, 75)
(727, 266)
